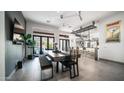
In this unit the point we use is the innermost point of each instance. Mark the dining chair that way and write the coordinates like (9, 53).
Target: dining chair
(71, 62)
(45, 63)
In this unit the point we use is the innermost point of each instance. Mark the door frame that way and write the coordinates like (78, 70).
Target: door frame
(47, 41)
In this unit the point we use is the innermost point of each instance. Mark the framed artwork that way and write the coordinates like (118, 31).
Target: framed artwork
(113, 32)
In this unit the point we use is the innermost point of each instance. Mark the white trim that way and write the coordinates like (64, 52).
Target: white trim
(11, 74)
(2, 45)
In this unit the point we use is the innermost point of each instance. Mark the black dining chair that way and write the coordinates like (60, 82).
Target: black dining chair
(71, 62)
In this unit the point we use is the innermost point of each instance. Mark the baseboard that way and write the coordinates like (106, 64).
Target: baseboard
(108, 60)
(11, 74)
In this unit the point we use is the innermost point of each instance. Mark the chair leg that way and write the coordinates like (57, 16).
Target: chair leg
(74, 70)
(52, 71)
(41, 76)
(57, 67)
(77, 70)
(70, 73)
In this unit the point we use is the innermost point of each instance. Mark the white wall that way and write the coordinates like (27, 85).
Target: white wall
(33, 26)
(2, 47)
(111, 51)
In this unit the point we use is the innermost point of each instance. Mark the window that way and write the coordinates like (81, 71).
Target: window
(43, 43)
(37, 46)
(51, 40)
(64, 44)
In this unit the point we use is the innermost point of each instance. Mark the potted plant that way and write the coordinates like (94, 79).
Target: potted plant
(31, 44)
(28, 42)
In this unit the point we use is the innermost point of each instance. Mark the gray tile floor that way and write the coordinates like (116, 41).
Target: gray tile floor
(89, 69)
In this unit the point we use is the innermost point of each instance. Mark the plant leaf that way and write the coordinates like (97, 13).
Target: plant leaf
(28, 36)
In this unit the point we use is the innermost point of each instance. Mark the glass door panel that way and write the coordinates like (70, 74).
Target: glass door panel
(37, 46)
(50, 46)
(44, 43)
(60, 45)
(64, 44)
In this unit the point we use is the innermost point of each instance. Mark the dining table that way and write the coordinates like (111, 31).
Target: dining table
(56, 57)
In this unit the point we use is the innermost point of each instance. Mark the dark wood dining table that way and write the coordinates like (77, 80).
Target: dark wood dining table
(56, 57)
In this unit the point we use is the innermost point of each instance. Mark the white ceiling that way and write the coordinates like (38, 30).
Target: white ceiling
(70, 19)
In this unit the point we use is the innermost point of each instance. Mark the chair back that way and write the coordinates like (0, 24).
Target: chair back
(77, 54)
(74, 53)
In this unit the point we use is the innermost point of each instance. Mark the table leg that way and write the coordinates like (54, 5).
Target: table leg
(57, 67)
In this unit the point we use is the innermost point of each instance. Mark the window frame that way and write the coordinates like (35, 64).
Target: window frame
(48, 37)
(64, 40)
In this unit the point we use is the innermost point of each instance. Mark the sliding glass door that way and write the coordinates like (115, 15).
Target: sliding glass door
(43, 43)
(51, 42)
(64, 44)
(37, 46)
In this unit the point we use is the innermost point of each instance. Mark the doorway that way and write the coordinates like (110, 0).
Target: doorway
(42, 43)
